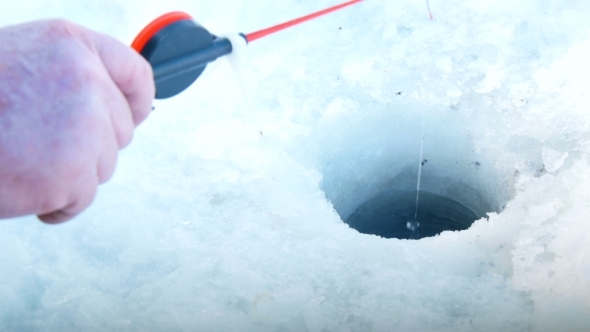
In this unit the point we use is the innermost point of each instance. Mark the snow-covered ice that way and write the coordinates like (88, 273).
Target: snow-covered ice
(226, 211)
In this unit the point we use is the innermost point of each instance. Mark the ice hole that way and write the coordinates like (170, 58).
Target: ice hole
(371, 167)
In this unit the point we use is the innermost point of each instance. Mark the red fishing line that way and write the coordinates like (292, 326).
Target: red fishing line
(262, 33)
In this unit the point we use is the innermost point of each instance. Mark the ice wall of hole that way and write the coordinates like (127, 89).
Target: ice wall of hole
(370, 169)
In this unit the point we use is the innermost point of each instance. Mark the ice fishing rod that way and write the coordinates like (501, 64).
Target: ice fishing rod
(179, 49)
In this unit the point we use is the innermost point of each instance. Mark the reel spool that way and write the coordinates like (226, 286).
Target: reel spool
(178, 49)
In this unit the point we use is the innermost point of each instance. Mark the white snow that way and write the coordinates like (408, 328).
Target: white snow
(225, 213)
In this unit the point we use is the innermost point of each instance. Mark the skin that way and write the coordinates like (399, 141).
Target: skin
(70, 99)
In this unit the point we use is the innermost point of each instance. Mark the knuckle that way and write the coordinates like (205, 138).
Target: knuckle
(106, 174)
(124, 138)
(71, 49)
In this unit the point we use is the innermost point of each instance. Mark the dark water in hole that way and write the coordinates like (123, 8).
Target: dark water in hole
(387, 215)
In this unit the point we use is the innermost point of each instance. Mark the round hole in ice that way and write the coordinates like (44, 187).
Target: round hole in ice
(370, 166)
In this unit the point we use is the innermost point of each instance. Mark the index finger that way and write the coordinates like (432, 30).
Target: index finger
(130, 72)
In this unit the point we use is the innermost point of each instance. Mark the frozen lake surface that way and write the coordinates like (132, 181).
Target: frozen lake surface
(226, 212)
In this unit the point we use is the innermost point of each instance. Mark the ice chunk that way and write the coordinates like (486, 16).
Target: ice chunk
(552, 159)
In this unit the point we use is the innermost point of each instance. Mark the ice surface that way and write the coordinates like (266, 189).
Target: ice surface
(226, 215)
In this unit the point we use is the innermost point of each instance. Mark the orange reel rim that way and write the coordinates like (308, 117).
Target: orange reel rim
(153, 28)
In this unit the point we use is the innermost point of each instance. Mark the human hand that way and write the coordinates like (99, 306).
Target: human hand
(70, 98)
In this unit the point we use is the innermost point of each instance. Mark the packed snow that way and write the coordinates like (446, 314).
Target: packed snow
(226, 212)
